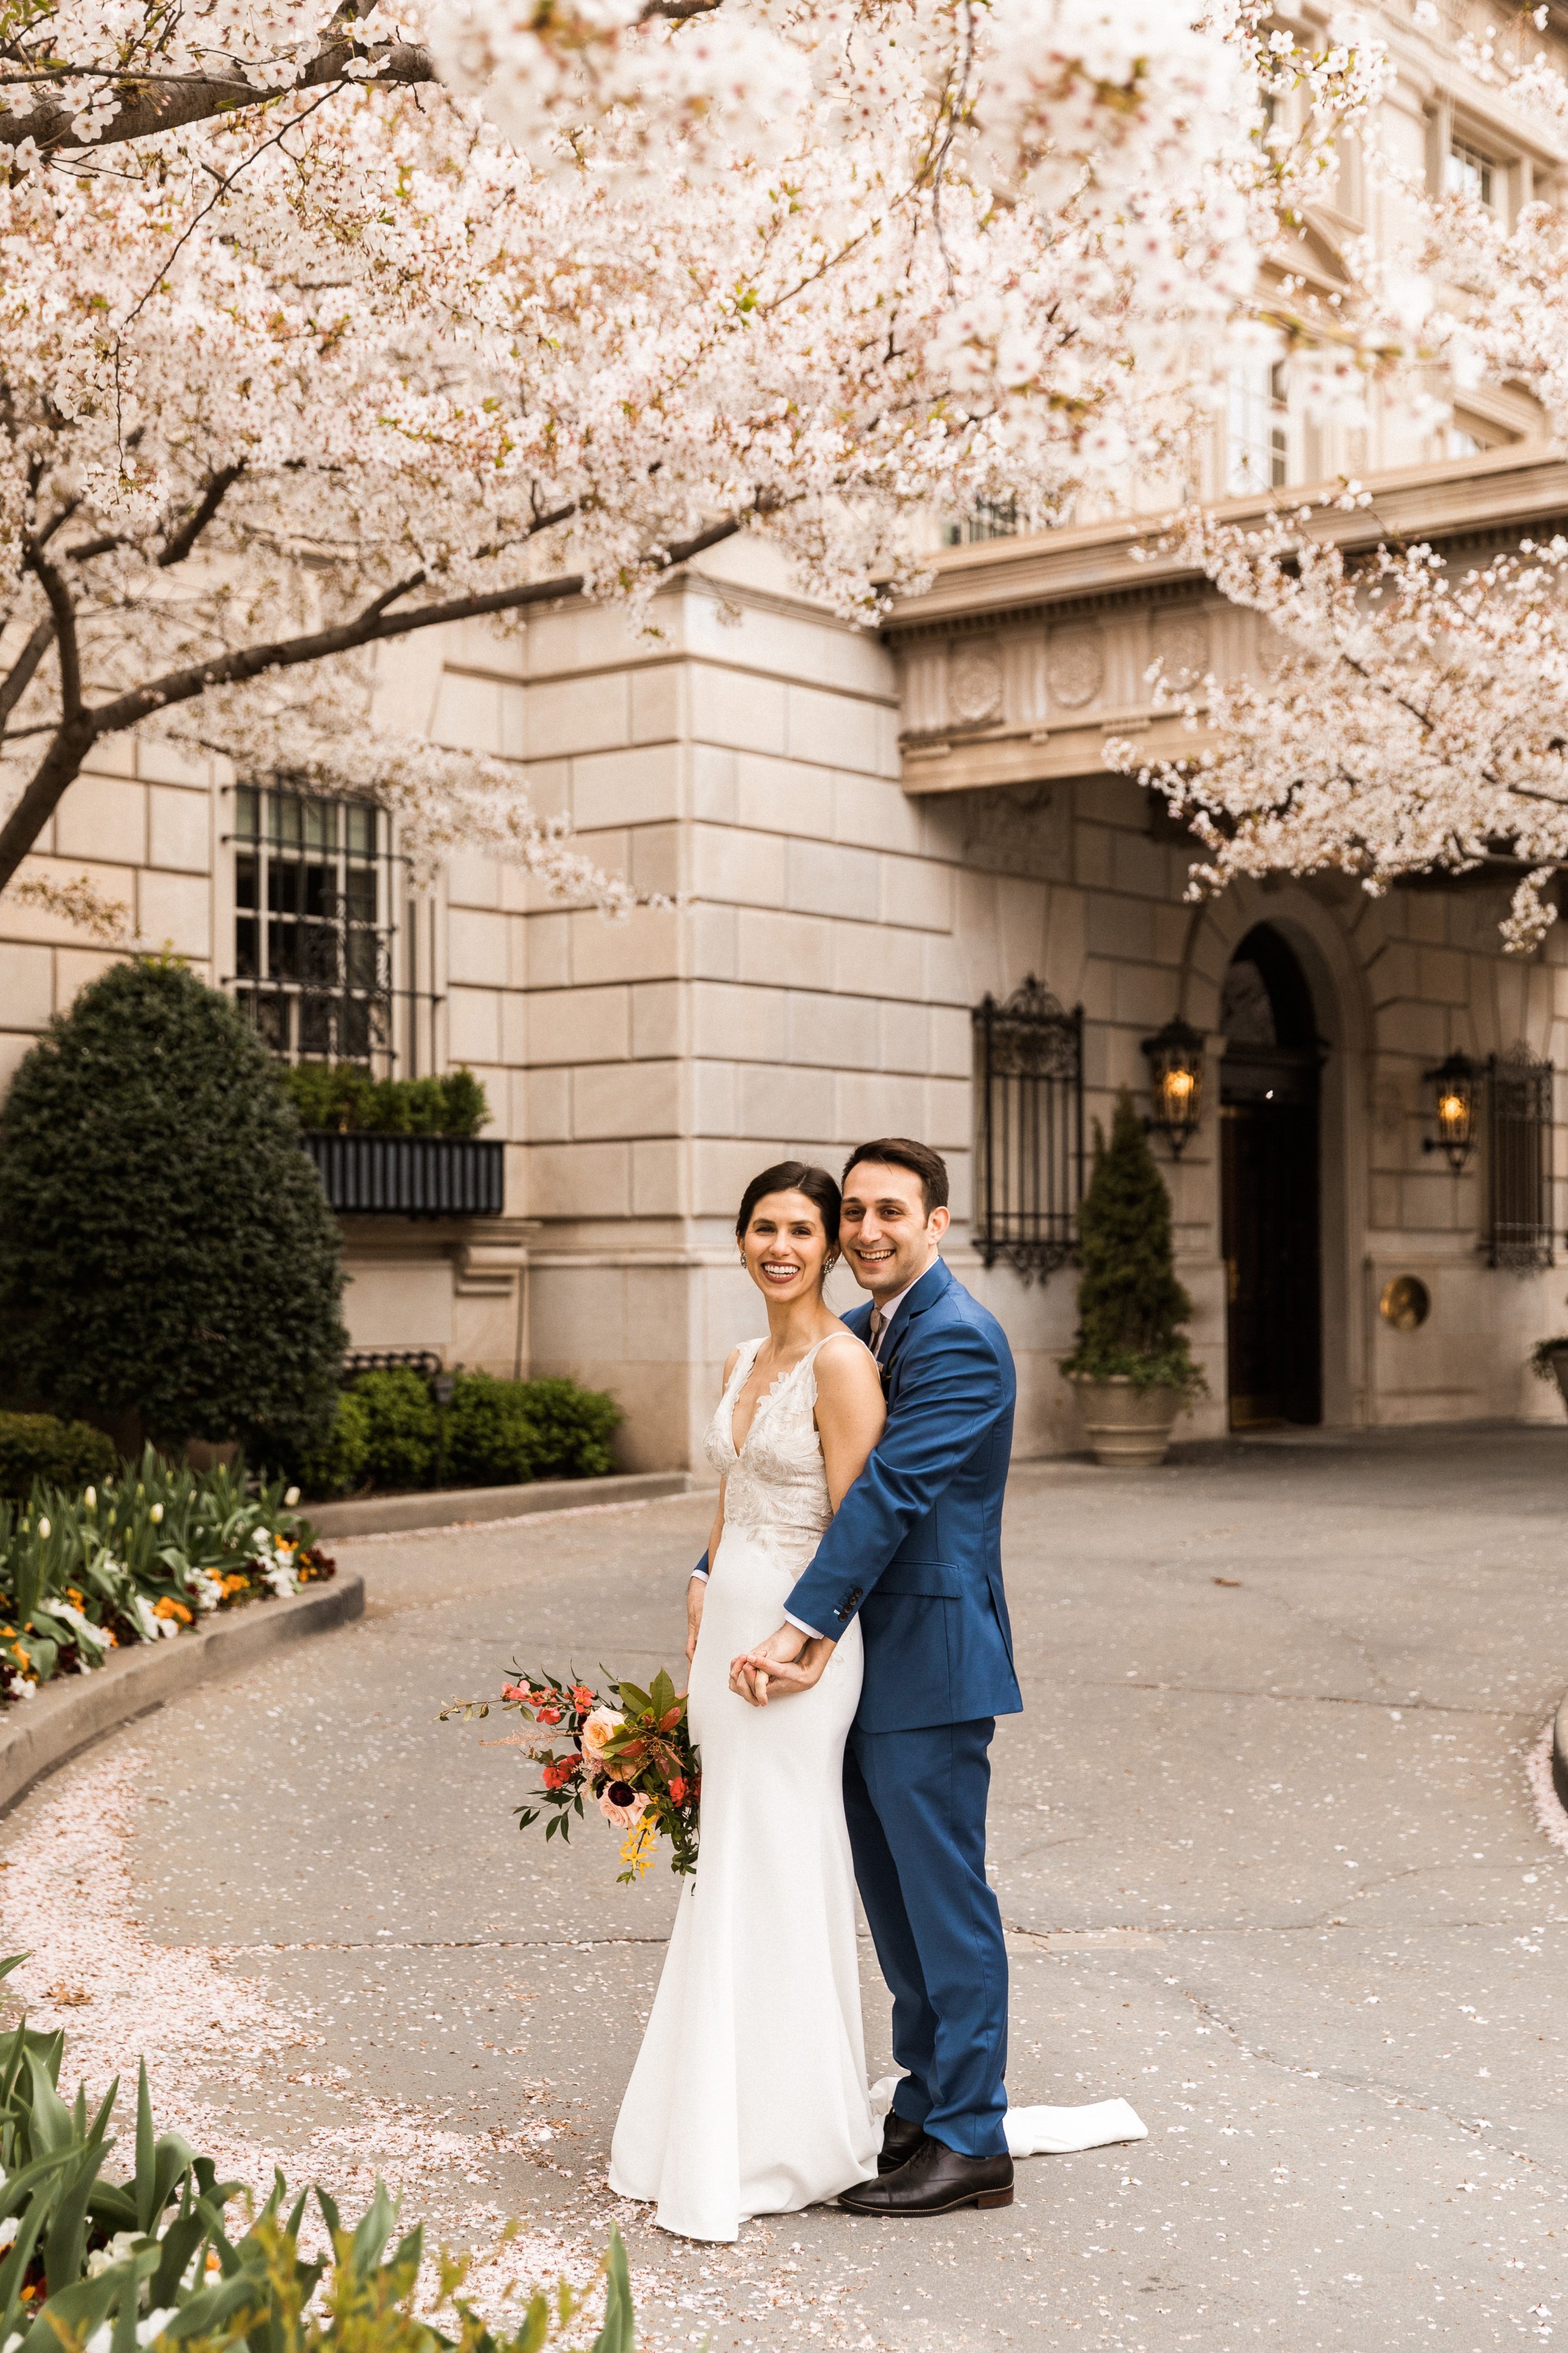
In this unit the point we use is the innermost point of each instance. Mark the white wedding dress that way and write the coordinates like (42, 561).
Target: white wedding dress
(749, 2093)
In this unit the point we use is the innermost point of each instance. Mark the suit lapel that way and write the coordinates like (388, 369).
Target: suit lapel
(915, 1301)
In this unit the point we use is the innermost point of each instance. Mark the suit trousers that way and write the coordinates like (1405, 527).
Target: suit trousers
(916, 1808)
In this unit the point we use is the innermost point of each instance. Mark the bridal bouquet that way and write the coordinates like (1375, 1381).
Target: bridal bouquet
(631, 1751)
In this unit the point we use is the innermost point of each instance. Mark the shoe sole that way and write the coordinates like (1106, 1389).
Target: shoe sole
(985, 2197)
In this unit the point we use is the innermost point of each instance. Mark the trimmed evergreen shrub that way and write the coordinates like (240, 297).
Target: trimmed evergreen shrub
(168, 1262)
(573, 1427)
(388, 1432)
(61, 1453)
(490, 1440)
(1129, 1303)
(337, 1463)
(340, 1095)
(403, 1433)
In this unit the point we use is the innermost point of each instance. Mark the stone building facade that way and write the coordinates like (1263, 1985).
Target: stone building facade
(866, 836)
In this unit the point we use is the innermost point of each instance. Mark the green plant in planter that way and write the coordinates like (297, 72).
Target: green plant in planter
(342, 1096)
(1130, 1306)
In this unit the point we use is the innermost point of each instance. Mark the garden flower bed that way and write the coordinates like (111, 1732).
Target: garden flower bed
(89, 2263)
(137, 1559)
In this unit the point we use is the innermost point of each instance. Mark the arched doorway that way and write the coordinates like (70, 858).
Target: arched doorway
(1268, 1185)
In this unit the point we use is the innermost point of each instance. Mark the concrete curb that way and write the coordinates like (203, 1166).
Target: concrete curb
(39, 1733)
(1560, 1753)
(450, 1507)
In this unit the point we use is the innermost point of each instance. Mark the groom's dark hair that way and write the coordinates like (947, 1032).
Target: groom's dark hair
(902, 1151)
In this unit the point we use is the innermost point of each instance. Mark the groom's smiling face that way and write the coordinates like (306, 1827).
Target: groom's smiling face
(885, 1231)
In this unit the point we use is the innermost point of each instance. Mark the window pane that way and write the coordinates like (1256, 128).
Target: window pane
(321, 824)
(319, 897)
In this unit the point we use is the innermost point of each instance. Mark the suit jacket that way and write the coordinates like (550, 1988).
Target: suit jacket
(915, 1548)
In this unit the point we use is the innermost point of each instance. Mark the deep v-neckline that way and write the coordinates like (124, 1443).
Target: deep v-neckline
(772, 1391)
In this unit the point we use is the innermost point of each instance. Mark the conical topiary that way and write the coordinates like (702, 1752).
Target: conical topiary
(1129, 1303)
(169, 1267)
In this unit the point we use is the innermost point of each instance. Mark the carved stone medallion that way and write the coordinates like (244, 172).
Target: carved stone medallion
(974, 685)
(1180, 644)
(1075, 666)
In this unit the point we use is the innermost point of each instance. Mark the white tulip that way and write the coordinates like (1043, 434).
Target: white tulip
(43, 1529)
(90, 1499)
(292, 1497)
(156, 1513)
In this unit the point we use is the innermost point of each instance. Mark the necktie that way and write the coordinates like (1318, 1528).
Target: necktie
(878, 1325)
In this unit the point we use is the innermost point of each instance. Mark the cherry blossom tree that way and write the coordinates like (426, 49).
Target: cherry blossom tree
(1402, 720)
(1406, 717)
(303, 349)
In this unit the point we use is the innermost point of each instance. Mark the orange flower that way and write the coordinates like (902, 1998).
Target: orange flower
(678, 1790)
(170, 1608)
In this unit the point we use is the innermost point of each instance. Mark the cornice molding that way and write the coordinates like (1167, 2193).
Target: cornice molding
(1089, 568)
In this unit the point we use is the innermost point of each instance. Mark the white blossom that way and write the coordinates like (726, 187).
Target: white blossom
(287, 384)
(1403, 721)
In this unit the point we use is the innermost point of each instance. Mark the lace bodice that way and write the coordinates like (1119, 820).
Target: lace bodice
(776, 1484)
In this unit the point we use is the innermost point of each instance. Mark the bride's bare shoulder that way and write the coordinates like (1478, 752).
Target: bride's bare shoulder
(846, 1369)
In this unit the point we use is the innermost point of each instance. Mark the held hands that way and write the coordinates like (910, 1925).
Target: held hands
(789, 1659)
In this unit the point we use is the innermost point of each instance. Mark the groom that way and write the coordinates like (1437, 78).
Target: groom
(915, 1549)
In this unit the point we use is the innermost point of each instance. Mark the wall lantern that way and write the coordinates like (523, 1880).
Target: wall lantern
(1177, 1081)
(1453, 1085)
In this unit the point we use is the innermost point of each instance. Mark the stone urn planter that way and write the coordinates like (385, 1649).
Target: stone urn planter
(1129, 1429)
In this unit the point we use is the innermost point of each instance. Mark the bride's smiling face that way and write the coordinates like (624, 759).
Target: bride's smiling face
(784, 1247)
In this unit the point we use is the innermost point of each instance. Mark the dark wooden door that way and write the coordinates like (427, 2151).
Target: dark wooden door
(1269, 1204)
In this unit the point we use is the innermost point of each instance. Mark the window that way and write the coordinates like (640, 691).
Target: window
(1256, 440)
(1518, 1160)
(1467, 172)
(312, 925)
(1028, 1177)
(992, 519)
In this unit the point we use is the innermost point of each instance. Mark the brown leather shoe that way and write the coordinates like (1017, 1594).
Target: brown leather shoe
(935, 2181)
(900, 2141)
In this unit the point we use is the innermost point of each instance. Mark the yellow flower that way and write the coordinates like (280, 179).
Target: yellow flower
(636, 1848)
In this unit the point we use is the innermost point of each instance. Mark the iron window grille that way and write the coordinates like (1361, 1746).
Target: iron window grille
(1029, 1158)
(1518, 1160)
(318, 965)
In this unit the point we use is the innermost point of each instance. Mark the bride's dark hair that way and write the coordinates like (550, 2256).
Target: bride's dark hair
(795, 1176)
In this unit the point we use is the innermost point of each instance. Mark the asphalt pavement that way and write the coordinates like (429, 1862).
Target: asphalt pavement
(1264, 1843)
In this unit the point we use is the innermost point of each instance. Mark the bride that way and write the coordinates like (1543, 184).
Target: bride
(749, 2092)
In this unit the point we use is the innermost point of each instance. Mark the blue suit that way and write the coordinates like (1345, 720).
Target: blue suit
(914, 1550)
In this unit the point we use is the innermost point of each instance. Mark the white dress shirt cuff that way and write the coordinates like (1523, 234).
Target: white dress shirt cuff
(702, 1573)
(791, 1619)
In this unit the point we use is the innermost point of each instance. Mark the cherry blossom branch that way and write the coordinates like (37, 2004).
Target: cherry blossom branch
(20, 676)
(150, 105)
(81, 727)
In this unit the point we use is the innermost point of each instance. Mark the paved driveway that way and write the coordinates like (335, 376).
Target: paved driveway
(1263, 1840)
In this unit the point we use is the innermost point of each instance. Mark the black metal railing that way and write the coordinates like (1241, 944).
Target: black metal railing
(409, 1176)
(425, 1362)
(1518, 1161)
(1029, 1163)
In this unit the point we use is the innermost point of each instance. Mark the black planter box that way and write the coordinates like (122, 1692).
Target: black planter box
(409, 1176)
